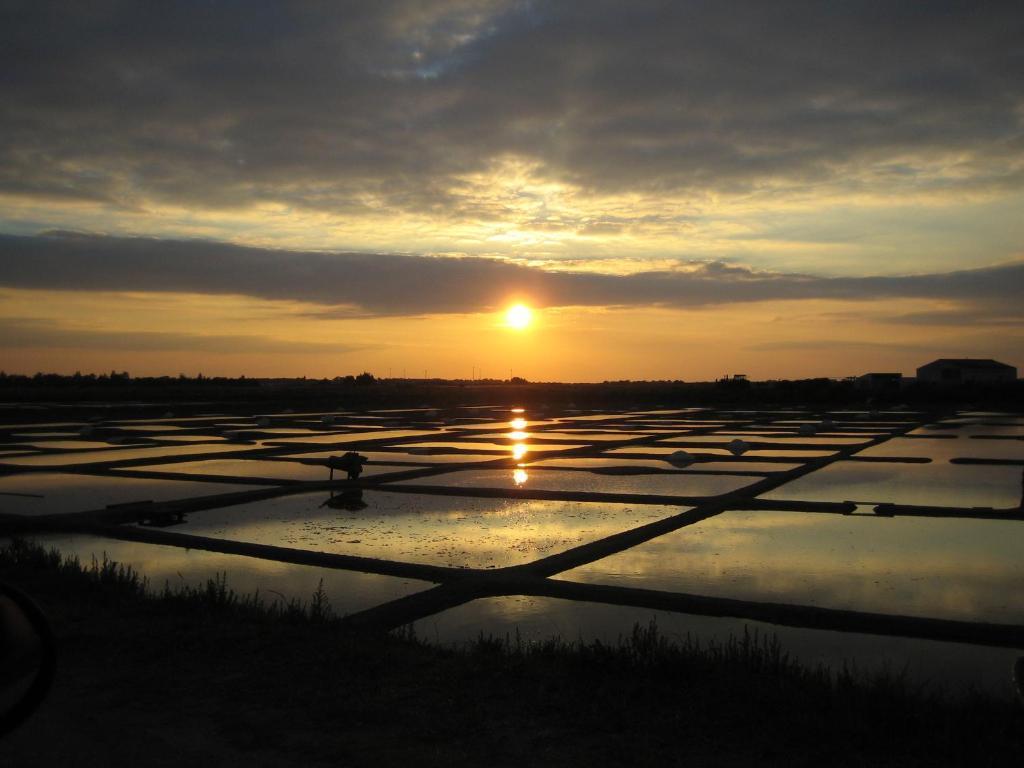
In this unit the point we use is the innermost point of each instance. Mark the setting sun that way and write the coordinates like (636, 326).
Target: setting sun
(518, 316)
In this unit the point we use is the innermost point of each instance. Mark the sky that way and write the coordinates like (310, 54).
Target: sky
(678, 190)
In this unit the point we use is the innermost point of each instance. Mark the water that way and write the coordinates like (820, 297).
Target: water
(680, 484)
(119, 454)
(47, 493)
(919, 484)
(968, 570)
(431, 530)
(348, 437)
(401, 457)
(254, 468)
(955, 666)
(348, 591)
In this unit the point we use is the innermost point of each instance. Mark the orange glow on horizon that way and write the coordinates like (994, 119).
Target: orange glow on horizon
(155, 334)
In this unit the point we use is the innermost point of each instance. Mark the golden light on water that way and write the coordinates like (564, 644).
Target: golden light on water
(519, 477)
(518, 317)
(518, 451)
(518, 435)
(518, 424)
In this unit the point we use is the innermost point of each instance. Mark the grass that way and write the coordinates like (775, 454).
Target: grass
(107, 581)
(201, 674)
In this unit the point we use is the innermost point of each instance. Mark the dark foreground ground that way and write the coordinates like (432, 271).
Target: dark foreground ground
(203, 677)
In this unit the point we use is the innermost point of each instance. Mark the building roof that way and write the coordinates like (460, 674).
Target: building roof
(970, 362)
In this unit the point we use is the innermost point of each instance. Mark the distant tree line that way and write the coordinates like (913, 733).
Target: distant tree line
(120, 378)
(365, 390)
(115, 378)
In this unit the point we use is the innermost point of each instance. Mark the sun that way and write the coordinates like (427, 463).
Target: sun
(518, 316)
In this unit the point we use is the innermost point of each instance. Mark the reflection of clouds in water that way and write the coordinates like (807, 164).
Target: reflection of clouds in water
(120, 454)
(289, 470)
(349, 437)
(588, 482)
(656, 449)
(945, 568)
(973, 426)
(923, 484)
(348, 591)
(536, 619)
(945, 449)
(468, 445)
(55, 492)
(784, 439)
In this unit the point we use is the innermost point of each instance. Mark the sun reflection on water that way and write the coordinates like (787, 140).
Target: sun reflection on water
(519, 477)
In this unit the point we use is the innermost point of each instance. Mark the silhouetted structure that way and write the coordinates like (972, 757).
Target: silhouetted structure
(966, 371)
(351, 463)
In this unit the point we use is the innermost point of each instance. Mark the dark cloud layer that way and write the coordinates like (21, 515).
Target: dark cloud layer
(329, 105)
(389, 284)
(28, 333)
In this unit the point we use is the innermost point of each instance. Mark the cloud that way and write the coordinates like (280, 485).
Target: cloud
(390, 284)
(27, 333)
(1008, 316)
(358, 107)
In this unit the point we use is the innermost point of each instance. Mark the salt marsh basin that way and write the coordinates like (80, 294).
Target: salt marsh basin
(577, 524)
